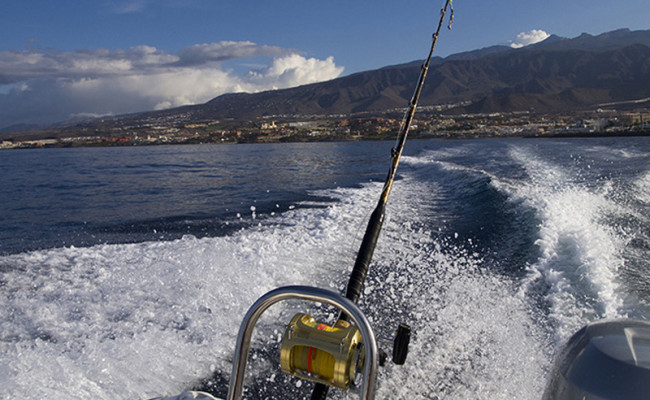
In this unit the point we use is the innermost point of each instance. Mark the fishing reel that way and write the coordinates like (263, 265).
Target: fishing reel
(331, 355)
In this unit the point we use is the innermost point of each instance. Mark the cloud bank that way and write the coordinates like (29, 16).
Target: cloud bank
(50, 86)
(138, 6)
(528, 38)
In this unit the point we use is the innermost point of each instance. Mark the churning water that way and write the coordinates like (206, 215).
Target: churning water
(125, 272)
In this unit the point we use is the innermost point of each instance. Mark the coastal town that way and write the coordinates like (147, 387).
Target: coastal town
(428, 123)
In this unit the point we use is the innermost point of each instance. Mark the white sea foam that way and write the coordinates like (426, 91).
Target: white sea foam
(642, 188)
(580, 253)
(151, 319)
(140, 320)
(625, 153)
(474, 337)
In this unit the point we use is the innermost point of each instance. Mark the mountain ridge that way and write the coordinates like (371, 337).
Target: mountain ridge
(589, 69)
(557, 74)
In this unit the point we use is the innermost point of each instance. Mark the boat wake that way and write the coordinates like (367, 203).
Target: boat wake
(494, 252)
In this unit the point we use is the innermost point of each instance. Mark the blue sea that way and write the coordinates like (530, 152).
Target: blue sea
(125, 272)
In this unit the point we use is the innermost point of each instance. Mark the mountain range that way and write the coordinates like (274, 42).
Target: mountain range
(557, 74)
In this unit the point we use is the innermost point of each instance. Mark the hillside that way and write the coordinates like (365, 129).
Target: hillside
(557, 74)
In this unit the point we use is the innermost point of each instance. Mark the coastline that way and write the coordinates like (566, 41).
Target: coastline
(456, 136)
(52, 143)
(360, 127)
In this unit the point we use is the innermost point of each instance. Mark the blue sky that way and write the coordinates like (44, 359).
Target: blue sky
(71, 58)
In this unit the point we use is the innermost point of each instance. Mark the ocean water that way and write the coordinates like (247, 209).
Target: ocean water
(125, 272)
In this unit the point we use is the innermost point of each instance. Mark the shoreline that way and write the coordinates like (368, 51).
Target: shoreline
(57, 144)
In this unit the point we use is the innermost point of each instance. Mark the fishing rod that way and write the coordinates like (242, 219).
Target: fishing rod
(369, 242)
(332, 355)
(373, 229)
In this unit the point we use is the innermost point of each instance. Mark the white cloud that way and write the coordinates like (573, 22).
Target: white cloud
(226, 50)
(528, 38)
(139, 6)
(51, 86)
(130, 6)
(294, 70)
(16, 66)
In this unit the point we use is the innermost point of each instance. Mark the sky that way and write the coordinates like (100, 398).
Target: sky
(67, 59)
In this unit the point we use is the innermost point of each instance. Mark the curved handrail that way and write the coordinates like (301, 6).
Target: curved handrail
(314, 295)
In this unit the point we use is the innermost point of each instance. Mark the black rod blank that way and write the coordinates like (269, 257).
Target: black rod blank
(369, 242)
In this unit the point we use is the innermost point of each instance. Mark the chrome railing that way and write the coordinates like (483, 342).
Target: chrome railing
(312, 294)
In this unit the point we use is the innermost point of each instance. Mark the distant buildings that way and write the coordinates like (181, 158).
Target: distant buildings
(428, 123)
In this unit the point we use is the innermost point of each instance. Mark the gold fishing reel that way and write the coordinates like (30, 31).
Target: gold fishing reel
(322, 353)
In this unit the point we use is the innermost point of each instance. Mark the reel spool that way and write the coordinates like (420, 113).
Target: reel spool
(321, 353)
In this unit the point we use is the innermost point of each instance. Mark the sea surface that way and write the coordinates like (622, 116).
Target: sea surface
(125, 272)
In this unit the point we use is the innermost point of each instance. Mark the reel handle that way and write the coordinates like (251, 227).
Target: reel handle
(401, 344)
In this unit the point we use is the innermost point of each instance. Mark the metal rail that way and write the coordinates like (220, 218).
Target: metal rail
(314, 295)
